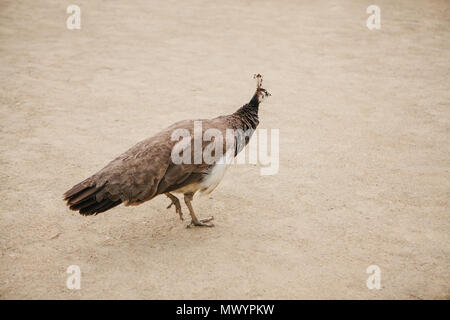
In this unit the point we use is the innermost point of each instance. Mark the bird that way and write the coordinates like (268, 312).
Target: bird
(152, 167)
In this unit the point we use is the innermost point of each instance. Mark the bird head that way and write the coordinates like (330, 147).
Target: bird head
(261, 93)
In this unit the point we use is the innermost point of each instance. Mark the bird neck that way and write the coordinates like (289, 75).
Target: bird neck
(248, 114)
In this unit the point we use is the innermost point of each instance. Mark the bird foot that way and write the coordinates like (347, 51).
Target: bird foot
(177, 207)
(201, 223)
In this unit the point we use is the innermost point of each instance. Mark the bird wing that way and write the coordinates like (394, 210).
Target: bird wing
(180, 175)
(140, 173)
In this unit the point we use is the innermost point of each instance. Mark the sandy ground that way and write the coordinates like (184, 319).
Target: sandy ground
(364, 148)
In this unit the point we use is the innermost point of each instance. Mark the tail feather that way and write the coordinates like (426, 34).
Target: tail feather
(93, 208)
(74, 190)
(82, 204)
(83, 199)
(83, 195)
(109, 205)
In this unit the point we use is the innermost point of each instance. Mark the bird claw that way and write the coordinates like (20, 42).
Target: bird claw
(201, 223)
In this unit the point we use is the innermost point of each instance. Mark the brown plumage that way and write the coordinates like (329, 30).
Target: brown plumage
(147, 169)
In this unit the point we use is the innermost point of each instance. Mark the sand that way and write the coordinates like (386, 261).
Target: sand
(364, 148)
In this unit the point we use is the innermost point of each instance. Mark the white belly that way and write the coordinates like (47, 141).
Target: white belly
(213, 179)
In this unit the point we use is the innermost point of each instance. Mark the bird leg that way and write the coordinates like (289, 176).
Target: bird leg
(195, 222)
(176, 202)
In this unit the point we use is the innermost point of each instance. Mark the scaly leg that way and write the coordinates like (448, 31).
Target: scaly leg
(201, 223)
(176, 202)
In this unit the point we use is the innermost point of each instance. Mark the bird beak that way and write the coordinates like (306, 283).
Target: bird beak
(265, 92)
